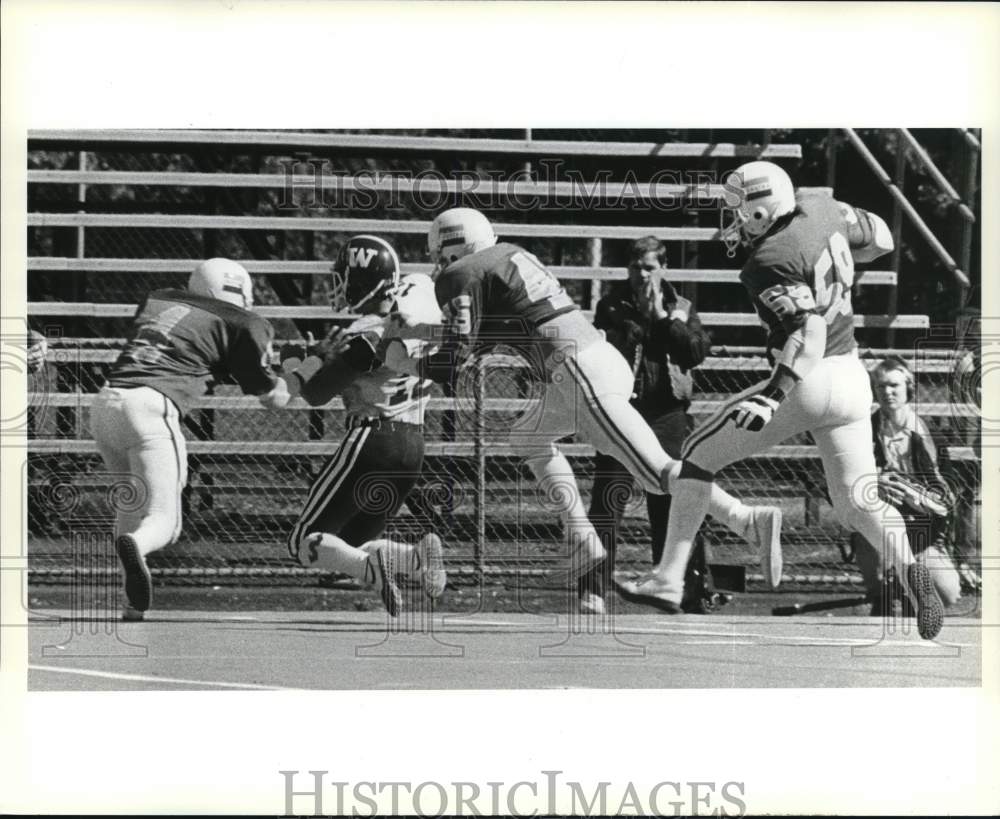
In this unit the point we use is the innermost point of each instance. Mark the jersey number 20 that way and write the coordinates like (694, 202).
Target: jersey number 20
(834, 275)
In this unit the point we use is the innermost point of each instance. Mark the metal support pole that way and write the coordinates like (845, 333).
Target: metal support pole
(945, 186)
(908, 209)
(479, 453)
(969, 196)
(832, 143)
(81, 198)
(527, 163)
(899, 177)
(594, 248)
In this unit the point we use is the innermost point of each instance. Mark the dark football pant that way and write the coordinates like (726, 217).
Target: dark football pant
(613, 486)
(363, 485)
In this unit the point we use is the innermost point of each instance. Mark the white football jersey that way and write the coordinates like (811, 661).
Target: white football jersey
(384, 392)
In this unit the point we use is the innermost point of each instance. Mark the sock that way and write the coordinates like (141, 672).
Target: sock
(401, 557)
(688, 507)
(729, 511)
(324, 551)
(558, 486)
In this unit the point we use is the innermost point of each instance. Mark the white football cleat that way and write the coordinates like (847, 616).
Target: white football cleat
(650, 590)
(430, 565)
(588, 554)
(591, 603)
(765, 531)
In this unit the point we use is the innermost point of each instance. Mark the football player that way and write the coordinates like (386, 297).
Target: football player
(587, 383)
(181, 343)
(379, 460)
(802, 252)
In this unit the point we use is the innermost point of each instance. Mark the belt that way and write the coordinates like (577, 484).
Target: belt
(358, 422)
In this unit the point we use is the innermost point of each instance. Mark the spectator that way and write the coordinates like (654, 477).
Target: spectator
(907, 459)
(659, 333)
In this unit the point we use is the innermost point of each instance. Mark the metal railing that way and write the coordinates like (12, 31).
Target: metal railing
(290, 141)
(907, 208)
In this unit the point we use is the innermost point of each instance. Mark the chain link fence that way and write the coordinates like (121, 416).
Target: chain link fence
(250, 468)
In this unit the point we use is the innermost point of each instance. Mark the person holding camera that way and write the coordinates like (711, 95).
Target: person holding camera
(908, 478)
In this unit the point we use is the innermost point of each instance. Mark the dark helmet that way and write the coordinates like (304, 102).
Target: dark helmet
(367, 268)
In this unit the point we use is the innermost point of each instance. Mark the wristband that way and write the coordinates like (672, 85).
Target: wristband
(783, 380)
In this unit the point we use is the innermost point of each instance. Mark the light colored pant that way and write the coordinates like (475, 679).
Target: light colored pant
(589, 397)
(833, 402)
(138, 434)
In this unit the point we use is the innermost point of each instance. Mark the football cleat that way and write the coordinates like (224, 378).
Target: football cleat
(587, 555)
(429, 559)
(650, 590)
(138, 580)
(591, 603)
(131, 615)
(389, 591)
(765, 531)
(930, 610)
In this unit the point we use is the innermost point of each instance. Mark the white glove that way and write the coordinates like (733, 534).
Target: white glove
(754, 412)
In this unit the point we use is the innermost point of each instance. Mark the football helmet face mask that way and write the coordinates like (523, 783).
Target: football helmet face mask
(456, 233)
(755, 196)
(223, 279)
(366, 273)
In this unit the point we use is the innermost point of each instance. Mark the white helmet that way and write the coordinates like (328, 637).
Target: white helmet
(223, 279)
(757, 194)
(456, 233)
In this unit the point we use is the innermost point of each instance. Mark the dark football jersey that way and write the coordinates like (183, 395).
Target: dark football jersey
(182, 343)
(504, 284)
(808, 259)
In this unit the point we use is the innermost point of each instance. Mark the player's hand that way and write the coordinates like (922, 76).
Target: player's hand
(38, 348)
(754, 412)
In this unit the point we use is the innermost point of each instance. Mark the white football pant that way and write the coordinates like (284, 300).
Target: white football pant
(138, 434)
(833, 403)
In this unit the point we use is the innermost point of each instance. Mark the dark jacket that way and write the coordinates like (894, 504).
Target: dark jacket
(661, 353)
(921, 469)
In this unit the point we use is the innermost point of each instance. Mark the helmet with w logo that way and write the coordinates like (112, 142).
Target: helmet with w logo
(365, 273)
(757, 194)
